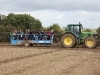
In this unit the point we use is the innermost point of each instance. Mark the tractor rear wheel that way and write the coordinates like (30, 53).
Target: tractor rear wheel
(90, 42)
(68, 40)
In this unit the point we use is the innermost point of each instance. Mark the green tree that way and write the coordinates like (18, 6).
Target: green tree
(9, 28)
(57, 29)
(37, 25)
(22, 21)
(2, 28)
(98, 31)
(87, 30)
(0, 21)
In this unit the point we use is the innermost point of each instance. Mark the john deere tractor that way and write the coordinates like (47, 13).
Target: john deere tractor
(74, 36)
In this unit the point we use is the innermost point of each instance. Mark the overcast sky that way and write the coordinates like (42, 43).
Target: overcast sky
(62, 12)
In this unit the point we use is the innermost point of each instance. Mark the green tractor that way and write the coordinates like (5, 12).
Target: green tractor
(74, 36)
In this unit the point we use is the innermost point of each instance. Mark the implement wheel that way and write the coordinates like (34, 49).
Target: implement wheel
(26, 43)
(90, 42)
(68, 40)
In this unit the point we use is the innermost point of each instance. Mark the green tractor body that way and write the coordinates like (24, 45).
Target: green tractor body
(74, 36)
(84, 35)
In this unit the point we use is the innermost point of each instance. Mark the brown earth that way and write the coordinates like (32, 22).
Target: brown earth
(18, 60)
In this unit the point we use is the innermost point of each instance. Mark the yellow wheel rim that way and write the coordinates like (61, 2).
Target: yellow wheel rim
(90, 42)
(68, 40)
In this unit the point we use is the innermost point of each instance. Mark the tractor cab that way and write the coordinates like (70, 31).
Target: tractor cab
(74, 36)
(74, 29)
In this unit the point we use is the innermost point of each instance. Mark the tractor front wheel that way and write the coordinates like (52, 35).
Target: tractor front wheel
(90, 42)
(68, 40)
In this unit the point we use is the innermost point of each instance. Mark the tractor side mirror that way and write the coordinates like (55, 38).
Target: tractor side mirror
(81, 25)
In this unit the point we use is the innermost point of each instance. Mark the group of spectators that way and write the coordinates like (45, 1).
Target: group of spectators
(32, 35)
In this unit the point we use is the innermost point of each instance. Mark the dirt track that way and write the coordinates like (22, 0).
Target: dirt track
(18, 60)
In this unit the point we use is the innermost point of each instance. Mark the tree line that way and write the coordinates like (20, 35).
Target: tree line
(26, 21)
(23, 22)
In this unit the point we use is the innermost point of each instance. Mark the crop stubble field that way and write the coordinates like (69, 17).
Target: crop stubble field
(19, 60)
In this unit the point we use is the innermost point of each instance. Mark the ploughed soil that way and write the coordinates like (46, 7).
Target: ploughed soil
(19, 60)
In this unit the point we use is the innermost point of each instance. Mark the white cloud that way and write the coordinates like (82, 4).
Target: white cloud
(62, 12)
(61, 5)
(85, 13)
(49, 17)
(60, 16)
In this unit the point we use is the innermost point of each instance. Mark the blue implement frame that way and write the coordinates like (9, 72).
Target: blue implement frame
(18, 39)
